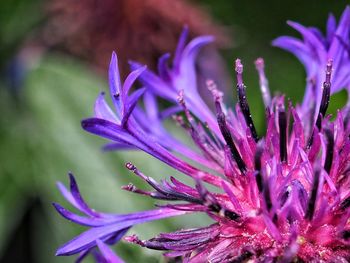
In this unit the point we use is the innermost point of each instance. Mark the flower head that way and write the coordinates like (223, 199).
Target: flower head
(282, 196)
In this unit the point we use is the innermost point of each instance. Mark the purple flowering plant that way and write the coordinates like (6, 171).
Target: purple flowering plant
(280, 197)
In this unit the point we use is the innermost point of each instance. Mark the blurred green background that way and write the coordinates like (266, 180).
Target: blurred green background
(45, 92)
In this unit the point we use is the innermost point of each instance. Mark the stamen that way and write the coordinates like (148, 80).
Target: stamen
(200, 134)
(325, 94)
(179, 120)
(148, 179)
(267, 197)
(231, 215)
(275, 218)
(330, 149)
(257, 161)
(324, 101)
(242, 98)
(130, 188)
(284, 196)
(310, 141)
(213, 89)
(163, 69)
(214, 207)
(136, 171)
(210, 201)
(312, 201)
(188, 116)
(228, 138)
(217, 208)
(282, 123)
(134, 239)
(156, 195)
(264, 85)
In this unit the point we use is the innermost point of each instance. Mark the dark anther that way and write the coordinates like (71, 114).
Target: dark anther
(231, 215)
(130, 166)
(312, 201)
(243, 257)
(259, 181)
(330, 149)
(257, 156)
(274, 218)
(211, 203)
(282, 123)
(345, 204)
(346, 234)
(290, 218)
(325, 95)
(310, 140)
(283, 197)
(215, 208)
(267, 197)
(257, 162)
(242, 99)
(228, 139)
(324, 101)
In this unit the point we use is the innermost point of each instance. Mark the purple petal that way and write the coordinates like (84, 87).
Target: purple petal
(115, 86)
(130, 81)
(331, 27)
(163, 68)
(74, 197)
(343, 78)
(301, 194)
(180, 46)
(131, 104)
(88, 239)
(151, 106)
(115, 238)
(271, 228)
(82, 255)
(144, 142)
(156, 84)
(311, 39)
(79, 199)
(297, 47)
(227, 188)
(118, 146)
(103, 111)
(342, 31)
(318, 34)
(81, 220)
(336, 50)
(67, 195)
(98, 257)
(168, 112)
(108, 253)
(110, 131)
(186, 79)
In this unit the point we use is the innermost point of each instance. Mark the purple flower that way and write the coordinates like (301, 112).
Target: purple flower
(314, 52)
(282, 196)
